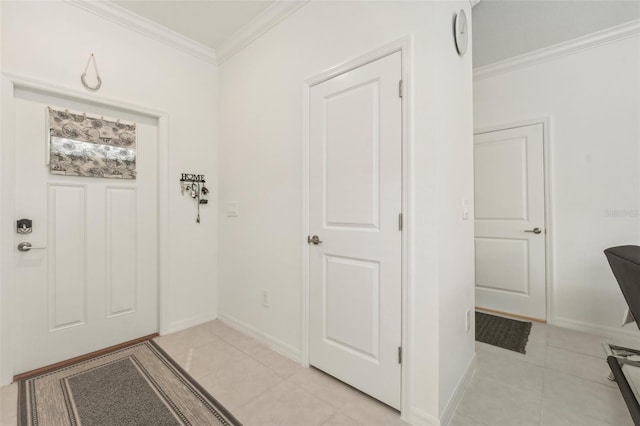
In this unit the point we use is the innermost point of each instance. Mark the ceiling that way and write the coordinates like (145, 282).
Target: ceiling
(209, 22)
(503, 28)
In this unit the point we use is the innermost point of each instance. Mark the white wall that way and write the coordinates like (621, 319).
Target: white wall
(261, 146)
(593, 100)
(51, 41)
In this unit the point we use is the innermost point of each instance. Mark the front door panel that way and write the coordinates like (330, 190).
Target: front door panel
(91, 280)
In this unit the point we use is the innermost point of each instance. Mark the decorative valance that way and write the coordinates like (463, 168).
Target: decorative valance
(82, 145)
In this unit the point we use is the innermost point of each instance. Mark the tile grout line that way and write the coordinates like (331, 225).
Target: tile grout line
(575, 375)
(552, 371)
(544, 382)
(575, 352)
(282, 381)
(247, 356)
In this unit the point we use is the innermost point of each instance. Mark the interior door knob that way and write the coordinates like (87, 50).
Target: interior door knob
(534, 230)
(315, 240)
(25, 246)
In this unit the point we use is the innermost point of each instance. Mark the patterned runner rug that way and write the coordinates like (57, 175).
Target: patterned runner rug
(502, 332)
(137, 385)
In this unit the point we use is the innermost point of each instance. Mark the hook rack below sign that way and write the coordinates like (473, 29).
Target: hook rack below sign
(195, 185)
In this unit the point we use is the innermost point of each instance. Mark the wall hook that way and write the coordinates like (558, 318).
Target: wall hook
(83, 77)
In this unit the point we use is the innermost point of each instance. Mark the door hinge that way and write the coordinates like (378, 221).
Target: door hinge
(399, 221)
(400, 87)
(399, 354)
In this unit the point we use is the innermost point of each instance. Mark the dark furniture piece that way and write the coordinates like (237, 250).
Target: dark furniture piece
(625, 264)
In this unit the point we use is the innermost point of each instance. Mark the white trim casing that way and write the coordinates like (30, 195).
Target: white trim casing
(6, 232)
(404, 46)
(164, 267)
(146, 27)
(548, 201)
(259, 25)
(304, 331)
(408, 319)
(9, 82)
(559, 50)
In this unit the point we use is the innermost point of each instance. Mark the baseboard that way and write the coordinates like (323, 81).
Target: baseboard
(273, 343)
(611, 332)
(190, 322)
(418, 417)
(450, 409)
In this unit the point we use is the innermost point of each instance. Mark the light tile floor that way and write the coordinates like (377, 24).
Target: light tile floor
(561, 381)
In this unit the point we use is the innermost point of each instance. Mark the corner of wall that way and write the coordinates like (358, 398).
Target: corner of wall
(191, 322)
(273, 343)
(456, 396)
(418, 416)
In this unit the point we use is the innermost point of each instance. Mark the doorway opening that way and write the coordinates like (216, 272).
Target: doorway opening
(512, 220)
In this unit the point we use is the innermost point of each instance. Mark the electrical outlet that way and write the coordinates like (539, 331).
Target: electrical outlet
(265, 298)
(468, 320)
(232, 209)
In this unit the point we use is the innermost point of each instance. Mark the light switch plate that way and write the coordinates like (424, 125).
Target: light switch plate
(466, 211)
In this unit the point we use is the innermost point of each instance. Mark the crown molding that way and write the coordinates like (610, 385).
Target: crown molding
(259, 25)
(609, 35)
(146, 27)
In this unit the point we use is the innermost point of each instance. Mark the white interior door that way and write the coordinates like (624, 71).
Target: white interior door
(355, 199)
(93, 283)
(510, 221)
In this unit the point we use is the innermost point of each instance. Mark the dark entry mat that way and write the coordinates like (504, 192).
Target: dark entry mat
(502, 332)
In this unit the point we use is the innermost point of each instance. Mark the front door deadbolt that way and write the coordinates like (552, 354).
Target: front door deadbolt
(24, 226)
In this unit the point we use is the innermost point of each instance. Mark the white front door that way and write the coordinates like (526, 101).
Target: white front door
(91, 280)
(510, 221)
(355, 199)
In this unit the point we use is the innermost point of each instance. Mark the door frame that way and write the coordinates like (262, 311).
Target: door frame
(9, 82)
(403, 46)
(545, 121)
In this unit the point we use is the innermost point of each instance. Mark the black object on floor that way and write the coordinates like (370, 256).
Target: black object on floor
(502, 332)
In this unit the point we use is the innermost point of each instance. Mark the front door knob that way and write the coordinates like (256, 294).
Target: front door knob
(25, 246)
(534, 230)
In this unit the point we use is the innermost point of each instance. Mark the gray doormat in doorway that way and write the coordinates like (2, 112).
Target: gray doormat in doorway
(137, 385)
(502, 332)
